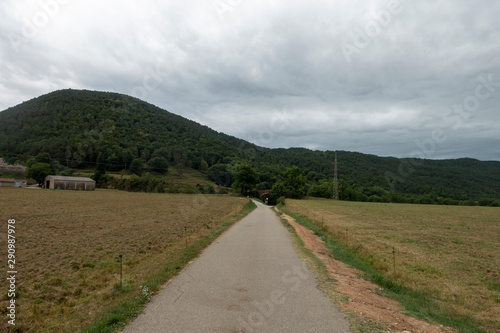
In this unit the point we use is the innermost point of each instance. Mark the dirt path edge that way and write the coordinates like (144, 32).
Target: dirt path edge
(364, 298)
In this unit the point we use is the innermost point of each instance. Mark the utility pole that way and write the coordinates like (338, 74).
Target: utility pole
(335, 180)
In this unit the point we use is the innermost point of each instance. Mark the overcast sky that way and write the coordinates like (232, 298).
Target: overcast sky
(391, 78)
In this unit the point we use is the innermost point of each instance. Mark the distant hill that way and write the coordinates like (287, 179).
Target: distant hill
(75, 126)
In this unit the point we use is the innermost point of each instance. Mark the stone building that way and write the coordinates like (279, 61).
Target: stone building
(11, 168)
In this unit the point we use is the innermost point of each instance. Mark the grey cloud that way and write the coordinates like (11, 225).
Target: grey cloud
(233, 67)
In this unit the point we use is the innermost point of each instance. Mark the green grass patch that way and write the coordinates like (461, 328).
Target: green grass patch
(416, 302)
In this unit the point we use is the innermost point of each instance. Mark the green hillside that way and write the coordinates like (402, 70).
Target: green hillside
(459, 179)
(75, 127)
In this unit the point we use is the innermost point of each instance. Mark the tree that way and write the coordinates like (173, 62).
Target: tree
(145, 155)
(101, 163)
(158, 164)
(180, 168)
(113, 163)
(67, 155)
(30, 161)
(294, 183)
(246, 179)
(203, 166)
(100, 172)
(162, 152)
(324, 190)
(43, 158)
(39, 171)
(350, 194)
(487, 202)
(127, 157)
(277, 191)
(221, 175)
(137, 166)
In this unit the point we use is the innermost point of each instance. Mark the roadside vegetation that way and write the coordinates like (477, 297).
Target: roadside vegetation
(447, 267)
(69, 244)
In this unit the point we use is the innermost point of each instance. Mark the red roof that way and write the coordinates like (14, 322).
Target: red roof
(7, 180)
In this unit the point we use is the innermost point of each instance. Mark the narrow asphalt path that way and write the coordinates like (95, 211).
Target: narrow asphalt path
(250, 280)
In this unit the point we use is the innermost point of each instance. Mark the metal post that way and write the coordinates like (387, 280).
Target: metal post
(121, 270)
(394, 259)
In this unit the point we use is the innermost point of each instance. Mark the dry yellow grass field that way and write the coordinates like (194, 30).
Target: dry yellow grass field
(452, 253)
(68, 244)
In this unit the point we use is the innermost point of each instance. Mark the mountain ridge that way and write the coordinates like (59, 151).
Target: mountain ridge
(74, 126)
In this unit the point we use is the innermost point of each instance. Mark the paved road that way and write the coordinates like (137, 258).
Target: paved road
(250, 280)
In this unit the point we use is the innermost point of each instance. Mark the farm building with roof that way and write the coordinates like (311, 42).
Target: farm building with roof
(10, 182)
(7, 182)
(69, 183)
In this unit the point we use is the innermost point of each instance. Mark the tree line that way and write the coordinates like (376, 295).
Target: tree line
(110, 132)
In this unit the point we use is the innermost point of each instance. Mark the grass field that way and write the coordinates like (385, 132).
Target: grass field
(451, 253)
(68, 245)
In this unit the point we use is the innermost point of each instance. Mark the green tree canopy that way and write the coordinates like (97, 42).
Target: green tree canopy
(30, 161)
(137, 166)
(278, 190)
(101, 162)
(158, 164)
(246, 179)
(220, 174)
(44, 158)
(203, 166)
(294, 183)
(100, 172)
(39, 171)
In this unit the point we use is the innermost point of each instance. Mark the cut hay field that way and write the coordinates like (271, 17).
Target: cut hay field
(451, 253)
(68, 245)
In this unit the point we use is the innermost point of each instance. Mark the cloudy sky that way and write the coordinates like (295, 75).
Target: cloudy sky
(392, 78)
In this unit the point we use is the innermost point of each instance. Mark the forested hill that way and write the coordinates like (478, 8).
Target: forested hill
(73, 126)
(76, 126)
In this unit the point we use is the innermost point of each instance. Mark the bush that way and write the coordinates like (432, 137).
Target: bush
(426, 200)
(374, 198)
(39, 171)
(488, 202)
(324, 190)
(208, 189)
(137, 166)
(223, 190)
(221, 175)
(281, 201)
(102, 179)
(158, 164)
